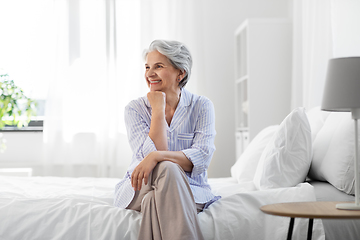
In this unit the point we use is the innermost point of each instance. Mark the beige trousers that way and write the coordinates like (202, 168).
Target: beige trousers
(168, 206)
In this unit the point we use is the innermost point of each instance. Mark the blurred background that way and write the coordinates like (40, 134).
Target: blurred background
(82, 61)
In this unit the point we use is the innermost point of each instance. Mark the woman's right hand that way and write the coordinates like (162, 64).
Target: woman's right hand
(143, 170)
(157, 100)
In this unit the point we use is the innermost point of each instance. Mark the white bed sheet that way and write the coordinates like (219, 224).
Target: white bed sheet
(81, 208)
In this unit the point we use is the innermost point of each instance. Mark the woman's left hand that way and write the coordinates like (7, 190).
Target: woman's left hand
(143, 170)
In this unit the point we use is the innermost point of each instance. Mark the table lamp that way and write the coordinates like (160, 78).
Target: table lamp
(342, 94)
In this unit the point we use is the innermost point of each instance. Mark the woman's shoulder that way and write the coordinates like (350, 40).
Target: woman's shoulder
(141, 102)
(195, 99)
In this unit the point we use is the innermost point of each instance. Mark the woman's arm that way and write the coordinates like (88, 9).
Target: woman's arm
(195, 159)
(143, 170)
(144, 135)
(202, 147)
(158, 135)
(175, 157)
(158, 124)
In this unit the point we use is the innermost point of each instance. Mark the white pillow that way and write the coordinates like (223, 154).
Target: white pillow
(244, 168)
(333, 158)
(286, 159)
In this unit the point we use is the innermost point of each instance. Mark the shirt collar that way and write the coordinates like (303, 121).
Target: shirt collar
(185, 98)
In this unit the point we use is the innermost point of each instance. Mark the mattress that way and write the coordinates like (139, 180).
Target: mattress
(81, 208)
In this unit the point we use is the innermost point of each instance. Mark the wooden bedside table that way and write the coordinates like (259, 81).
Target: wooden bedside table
(311, 210)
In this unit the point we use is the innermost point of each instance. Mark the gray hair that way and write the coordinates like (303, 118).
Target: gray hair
(178, 55)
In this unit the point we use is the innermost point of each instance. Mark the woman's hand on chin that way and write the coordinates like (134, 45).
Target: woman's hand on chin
(143, 170)
(157, 100)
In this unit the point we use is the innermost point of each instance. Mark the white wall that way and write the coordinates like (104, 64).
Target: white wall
(216, 24)
(221, 18)
(345, 25)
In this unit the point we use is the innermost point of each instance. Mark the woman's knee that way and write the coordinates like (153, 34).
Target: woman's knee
(168, 166)
(168, 170)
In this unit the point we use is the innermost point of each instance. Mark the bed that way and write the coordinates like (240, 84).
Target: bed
(81, 208)
(295, 161)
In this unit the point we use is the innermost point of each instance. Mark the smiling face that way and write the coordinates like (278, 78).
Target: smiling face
(160, 74)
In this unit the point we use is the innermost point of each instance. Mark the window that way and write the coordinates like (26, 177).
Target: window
(27, 43)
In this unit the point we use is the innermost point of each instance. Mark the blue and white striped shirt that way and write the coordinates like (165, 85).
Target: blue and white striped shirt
(192, 131)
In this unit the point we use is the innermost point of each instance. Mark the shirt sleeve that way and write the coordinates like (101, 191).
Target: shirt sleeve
(202, 148)
(138, 132)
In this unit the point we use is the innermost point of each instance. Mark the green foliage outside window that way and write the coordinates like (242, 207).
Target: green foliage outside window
(16, 109)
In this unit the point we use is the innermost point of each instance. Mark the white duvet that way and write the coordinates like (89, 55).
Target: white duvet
(81, 209)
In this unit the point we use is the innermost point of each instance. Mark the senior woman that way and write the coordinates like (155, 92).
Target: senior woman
(171, 132)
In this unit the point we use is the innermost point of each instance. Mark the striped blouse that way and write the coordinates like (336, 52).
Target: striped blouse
(192, 131)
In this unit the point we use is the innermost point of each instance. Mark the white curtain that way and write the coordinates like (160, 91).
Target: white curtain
(312, 48)
(99, 69)
(322, 29)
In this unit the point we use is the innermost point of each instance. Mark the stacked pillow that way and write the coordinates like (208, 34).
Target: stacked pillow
(285, 156)
(286, 159)
(245, 167)
(334, 145)
(317, 143)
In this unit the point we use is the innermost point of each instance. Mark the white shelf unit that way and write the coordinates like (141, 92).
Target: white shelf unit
(262, 77)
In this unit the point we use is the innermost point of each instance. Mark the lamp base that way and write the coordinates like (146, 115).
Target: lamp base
(348, 206)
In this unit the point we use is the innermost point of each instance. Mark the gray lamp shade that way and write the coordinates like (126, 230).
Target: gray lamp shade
(342, 87)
